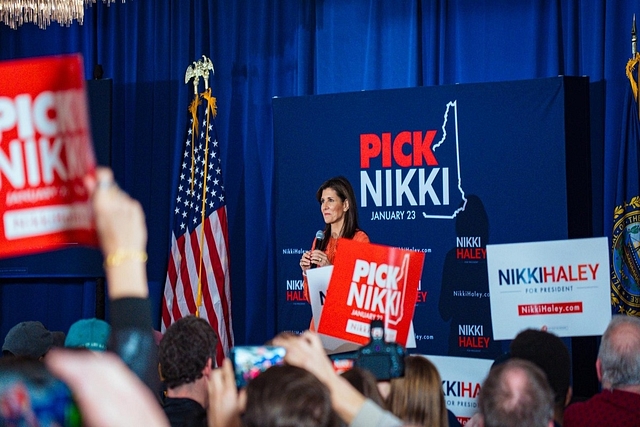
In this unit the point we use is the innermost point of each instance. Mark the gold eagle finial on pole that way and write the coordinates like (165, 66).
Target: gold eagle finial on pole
(193, 72)
(206, 67)
(200, 69)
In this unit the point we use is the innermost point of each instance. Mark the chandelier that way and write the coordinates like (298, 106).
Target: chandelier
(14, 13)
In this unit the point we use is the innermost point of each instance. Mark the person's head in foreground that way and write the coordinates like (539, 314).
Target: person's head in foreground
(92, 334)
(285, 396)
(618, 363)
(549, 353)
(365, 382)
(417, 398)
(516, 394)
(27, 339)
(187, 353)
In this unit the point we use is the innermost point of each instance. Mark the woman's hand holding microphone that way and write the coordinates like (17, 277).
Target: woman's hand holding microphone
(315, 258)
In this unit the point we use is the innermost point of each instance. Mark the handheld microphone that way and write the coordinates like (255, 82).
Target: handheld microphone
(319, 236)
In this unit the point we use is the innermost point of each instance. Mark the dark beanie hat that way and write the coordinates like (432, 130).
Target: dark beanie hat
(29, 339)
(550, 354)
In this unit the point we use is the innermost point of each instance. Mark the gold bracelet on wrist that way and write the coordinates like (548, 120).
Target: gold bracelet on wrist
(121, 256)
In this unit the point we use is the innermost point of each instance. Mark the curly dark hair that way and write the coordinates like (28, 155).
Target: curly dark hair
(184, 350)
(284, 396)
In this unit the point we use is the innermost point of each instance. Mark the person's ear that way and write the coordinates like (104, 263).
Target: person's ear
(567, 398)
(208, 367)
(599, 369)
(160, 372)
(384, 387)
(345, 205)
(242, 400)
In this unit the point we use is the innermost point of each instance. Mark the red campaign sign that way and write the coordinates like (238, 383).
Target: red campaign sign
(371, 282)
(45, 151)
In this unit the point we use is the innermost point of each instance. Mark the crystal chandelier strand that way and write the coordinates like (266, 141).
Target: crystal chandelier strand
(14, 13)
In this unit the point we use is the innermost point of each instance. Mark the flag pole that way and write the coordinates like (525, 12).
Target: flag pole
(194, 71)
(205, 67)
(634, 53)
(632, 64)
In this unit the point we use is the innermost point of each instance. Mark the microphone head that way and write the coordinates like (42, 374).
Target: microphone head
(319, 235)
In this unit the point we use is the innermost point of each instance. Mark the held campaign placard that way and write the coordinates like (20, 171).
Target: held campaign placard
(562, 285)
(371, 282)
(45, 151)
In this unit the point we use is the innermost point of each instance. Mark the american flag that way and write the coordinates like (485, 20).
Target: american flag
(198, 272)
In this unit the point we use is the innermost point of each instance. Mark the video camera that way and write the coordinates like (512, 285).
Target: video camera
(385, 360)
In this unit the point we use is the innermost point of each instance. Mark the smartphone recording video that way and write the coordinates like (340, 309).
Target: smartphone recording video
(250, 361)
(30, 395)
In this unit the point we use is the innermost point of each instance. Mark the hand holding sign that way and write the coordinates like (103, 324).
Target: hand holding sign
(122, 231)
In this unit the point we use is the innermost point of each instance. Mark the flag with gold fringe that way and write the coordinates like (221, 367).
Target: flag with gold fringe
(197, 280)
(625, 243)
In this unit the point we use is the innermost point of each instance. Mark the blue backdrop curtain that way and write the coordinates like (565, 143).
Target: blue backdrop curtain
(262, 49)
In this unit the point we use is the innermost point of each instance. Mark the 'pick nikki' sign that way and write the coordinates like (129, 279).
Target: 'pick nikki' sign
(371, 282)
(45, 151)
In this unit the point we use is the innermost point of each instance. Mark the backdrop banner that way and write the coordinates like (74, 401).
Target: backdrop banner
(439, 170)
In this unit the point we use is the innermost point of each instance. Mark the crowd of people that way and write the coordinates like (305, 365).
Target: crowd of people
(119, 374)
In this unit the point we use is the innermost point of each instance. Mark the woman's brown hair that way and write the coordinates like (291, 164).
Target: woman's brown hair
(417, 398)
(344, 190)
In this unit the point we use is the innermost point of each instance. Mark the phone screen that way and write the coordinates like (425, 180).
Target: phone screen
(30, 395)
(342, 365)
(250, 361)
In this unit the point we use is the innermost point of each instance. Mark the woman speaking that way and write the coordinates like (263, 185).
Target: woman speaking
(340, 213)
